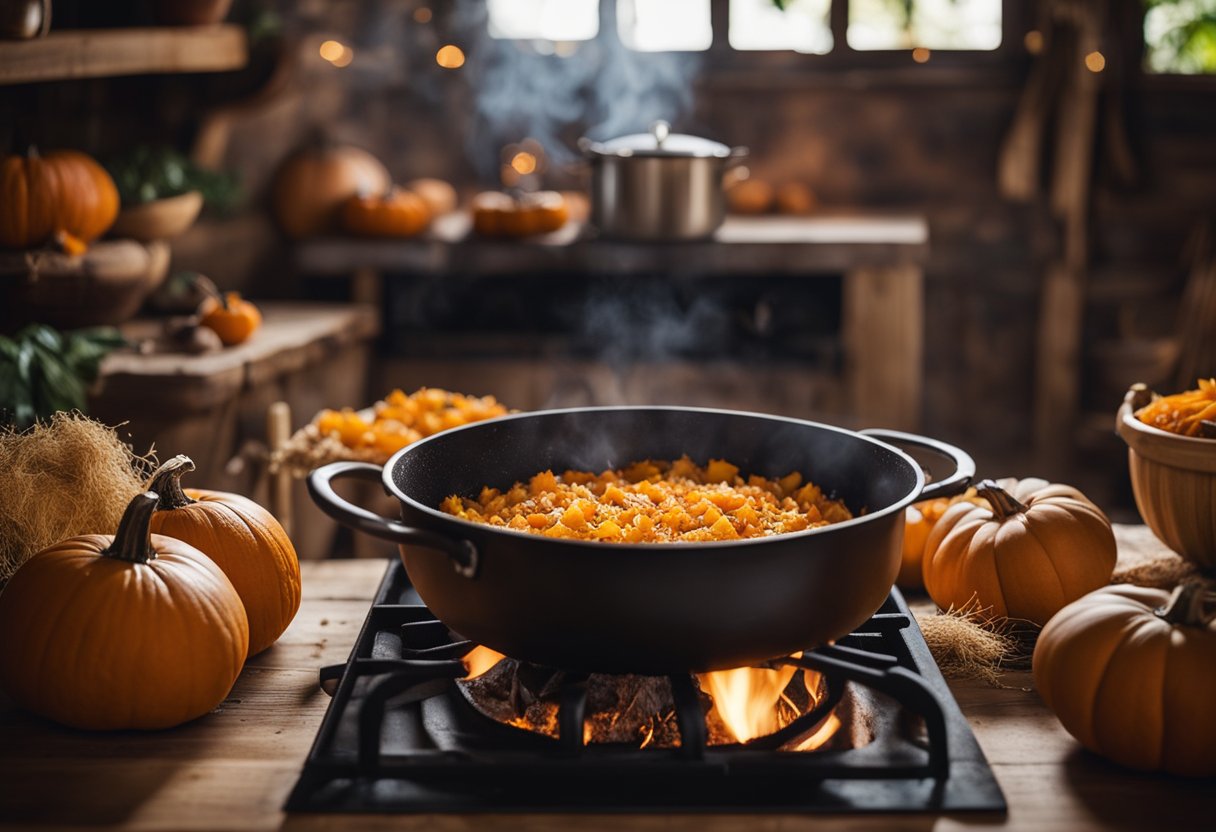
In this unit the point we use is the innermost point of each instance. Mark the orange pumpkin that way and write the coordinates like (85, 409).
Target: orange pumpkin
(245, 541)
(919, 520)
(230, 317)
(439, 196)
(125, 631)
(1129, 671)
(312, 184)
(496, 214)
(64, 191)
(1032, 548)
(396, 214)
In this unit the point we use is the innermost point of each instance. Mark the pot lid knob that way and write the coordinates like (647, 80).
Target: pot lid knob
(660, 130)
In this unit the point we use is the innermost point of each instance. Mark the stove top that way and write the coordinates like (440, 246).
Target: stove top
(401, 735)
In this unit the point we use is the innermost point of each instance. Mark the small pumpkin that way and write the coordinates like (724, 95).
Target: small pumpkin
(245, 541)
(396, 214)
(125, 631)
(231, 317)
(1032, 548)
(1129, 671)
(919, 520)
(63, 191)
(440, 197)
(312, 184)
(497, 214)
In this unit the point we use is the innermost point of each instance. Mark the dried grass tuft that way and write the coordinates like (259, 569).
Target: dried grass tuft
(968, 645)
(62, 478)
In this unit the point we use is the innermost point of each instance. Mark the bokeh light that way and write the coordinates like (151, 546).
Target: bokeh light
(450, 56)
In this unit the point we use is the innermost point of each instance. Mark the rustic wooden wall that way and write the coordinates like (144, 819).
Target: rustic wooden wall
(920, 138)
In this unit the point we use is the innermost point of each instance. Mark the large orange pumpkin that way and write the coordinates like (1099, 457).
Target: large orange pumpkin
(245, 541)
(497, 214)
(312, 184)
(1032, 548)
(125, 631)
(64, 191)
(1130, 673)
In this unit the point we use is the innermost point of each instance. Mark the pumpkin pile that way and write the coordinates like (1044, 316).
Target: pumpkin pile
(149, 627)
(64, 197)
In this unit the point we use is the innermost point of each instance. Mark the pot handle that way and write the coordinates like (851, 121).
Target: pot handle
(964, 465)
(463, 553)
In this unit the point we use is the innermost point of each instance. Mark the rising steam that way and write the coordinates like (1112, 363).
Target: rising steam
(600, 89)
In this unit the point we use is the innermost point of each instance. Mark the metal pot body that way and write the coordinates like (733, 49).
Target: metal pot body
(646, 197)
(647, 608)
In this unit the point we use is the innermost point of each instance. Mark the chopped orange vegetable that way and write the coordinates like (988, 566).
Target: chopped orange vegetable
(1182, 413)
(654, 502)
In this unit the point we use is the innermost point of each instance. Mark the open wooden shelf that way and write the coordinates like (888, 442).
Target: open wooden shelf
(98, 53)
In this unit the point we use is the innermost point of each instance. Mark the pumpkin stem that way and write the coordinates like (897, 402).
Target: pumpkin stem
(1004, 504)
(132, 542)
(1188, 603)
(167, 482)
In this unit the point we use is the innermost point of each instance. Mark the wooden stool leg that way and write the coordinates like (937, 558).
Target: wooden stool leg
(278, 431)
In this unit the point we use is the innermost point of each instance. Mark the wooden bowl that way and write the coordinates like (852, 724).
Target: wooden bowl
(1174, 481)
(159, 219)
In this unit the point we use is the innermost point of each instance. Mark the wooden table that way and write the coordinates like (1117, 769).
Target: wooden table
(213, 407)
(234, 768)
(880, 257)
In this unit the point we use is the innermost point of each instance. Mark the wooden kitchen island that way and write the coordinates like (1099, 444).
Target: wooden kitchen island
(234, 768)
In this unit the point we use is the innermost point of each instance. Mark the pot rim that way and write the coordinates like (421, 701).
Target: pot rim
(435, 514)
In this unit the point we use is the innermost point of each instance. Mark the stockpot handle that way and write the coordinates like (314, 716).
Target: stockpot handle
(463, 553)
(964, 465)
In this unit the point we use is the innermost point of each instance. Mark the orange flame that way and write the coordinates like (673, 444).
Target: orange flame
(825, 732)
(480, 659)
(746, 698)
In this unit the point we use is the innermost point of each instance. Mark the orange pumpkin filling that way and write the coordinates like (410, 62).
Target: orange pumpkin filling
(654, 502)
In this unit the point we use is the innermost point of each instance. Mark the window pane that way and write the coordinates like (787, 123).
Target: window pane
(933, 24)
(1180, 36)
(557, 20)
(804, 26)
(665, 25)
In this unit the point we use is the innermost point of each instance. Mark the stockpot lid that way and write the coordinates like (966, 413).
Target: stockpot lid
(660, 141)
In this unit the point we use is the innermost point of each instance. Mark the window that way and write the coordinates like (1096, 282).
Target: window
(924, 24)
(1180, 37)
(552, 20)
(803, 25)
(815, 27)
(665, 25)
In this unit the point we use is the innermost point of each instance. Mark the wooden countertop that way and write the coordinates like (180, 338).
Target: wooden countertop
(234, 768)
(819, 244)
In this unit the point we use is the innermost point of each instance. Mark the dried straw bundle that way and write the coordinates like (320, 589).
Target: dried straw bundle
(965, 645)
(59, 479)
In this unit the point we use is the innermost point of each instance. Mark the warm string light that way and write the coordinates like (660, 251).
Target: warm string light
(450, 56)
(336, 52)
(1095, 61)
(921, 55)
(1033, 41)
(422, 14)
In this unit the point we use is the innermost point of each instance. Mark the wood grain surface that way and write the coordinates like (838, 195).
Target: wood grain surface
(232, 769)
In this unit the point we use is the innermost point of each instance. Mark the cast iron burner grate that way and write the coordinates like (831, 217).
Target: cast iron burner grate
(399, 736)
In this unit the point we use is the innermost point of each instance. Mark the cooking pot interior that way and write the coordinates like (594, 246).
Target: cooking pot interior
(497, 453)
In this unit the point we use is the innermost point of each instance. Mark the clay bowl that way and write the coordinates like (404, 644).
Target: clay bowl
(159, 219)
(1174, 481)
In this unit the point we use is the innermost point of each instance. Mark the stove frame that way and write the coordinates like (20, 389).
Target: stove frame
(445, 756)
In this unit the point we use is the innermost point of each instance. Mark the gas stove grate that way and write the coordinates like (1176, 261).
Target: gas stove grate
(400, 737)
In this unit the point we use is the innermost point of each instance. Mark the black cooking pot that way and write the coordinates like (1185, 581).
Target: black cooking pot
(658, 607)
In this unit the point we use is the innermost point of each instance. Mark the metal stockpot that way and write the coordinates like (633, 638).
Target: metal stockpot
(659, 185)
